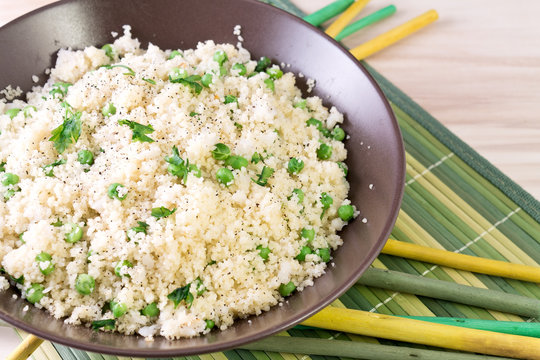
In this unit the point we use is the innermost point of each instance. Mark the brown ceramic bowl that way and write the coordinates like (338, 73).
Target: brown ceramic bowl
(28, 45)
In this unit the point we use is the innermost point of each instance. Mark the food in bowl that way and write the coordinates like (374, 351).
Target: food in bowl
(168, 192)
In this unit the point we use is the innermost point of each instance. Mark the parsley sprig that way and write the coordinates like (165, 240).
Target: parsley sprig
(69, 131)
(129, 72)
(139, 130)
(107, 324)
(264, 176)
(162, 212)
(179, 294)
(49, 169)
(60, 90)
(179, 167)
(193, 81)
(142, 228)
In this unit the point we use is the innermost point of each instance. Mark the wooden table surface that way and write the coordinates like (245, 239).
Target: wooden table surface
(477, 70)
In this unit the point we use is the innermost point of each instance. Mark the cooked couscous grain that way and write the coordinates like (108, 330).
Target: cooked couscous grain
(165, 195)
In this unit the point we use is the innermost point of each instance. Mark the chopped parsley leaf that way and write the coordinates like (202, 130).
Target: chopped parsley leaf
(139, 130)
(68, 132)
(49, 169)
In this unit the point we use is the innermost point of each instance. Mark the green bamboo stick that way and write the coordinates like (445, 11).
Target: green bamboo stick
(366, 21)
(327, 12)
(506, 327)
(355, 350)
(484, 298)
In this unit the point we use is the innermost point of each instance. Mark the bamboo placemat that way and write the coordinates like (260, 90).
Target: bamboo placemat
(454, 200)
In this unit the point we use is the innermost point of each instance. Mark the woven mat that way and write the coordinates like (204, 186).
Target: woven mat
(454, 200)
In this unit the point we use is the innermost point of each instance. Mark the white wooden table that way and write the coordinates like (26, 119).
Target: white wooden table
(477, 70)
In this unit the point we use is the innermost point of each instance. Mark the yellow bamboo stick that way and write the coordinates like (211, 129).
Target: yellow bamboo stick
(25, 348)
(394, 35)
(421, 332)
(344, 19)
(462, 262)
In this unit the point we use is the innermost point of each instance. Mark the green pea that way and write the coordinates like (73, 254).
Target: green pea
(45, 264)
(174, 54)
(301, 104)
(324, 152)
(240, 68)
(338, 134)
(308, 234)
(264, 252)
(305, 250)
(287, 289)
(74, 235)
(346, 212)
(275, 73)
(8, 194)
(230, 99)
(326, 200)
(12, 112)
(324, 254)
(314, 122)
(85, 284)
(225, 176)
(85, 157)
(109, 51)
(118, 309)
(299, 194)
(21, 237)
(150, 310)
(343, 167)
(270, 84)
(113, 191)
(120, 268)
(10, 179)
(206, 80)
(210, 324)
(176, 74)
(319, 125)
(221, 152)
(262, 64)
(220, 57)
(108, 110)
(236, 162)
(34, 293)
(295, 166)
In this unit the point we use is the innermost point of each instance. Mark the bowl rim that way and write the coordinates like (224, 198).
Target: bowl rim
(301, 315)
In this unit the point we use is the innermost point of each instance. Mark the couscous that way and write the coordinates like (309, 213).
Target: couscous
(167, 192)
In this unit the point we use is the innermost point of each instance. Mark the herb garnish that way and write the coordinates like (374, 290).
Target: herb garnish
(139, 130)
(108, 324)
(49, 169)
(190, 81)
(60, 89)
(179, 294)
(69, 131)
(162, 212)
(129, 72)
(179, 167)
(141, 228)
(264, 176)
